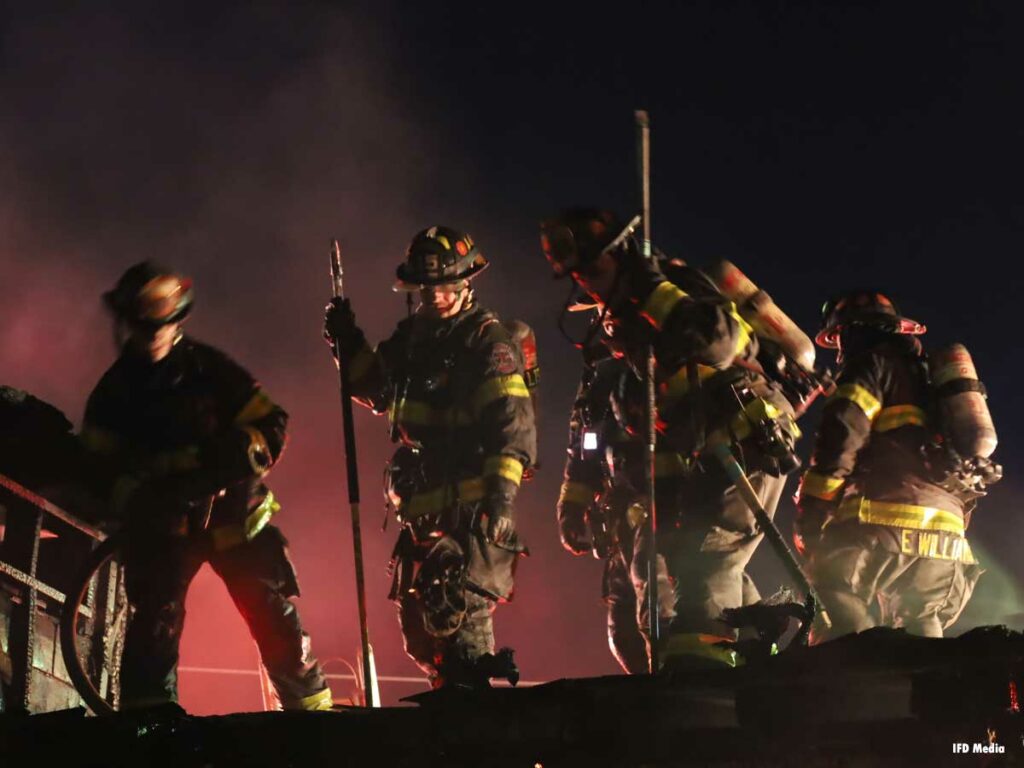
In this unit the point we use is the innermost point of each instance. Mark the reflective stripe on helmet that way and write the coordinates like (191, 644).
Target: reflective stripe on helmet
(507, 467)
(897, 416)
(661, 302)
(900, 515)
(860, 397)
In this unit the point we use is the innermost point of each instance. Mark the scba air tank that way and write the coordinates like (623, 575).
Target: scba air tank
(764, 315)
(963, 410)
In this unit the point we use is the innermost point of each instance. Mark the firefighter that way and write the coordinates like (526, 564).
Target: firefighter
(710, 388)
(598, 508)
(593, 513)
(885, 537)
(182, 437)
(451, 380)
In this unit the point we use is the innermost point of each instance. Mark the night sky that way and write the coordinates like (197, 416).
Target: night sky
(819, 146)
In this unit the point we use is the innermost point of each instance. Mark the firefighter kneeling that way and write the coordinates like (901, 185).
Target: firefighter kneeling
(902, 455)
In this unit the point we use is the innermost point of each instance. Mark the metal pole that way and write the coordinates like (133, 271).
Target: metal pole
(369, 673)
(643, 127)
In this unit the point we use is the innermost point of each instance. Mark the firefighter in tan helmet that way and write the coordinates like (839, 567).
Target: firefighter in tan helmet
(453, 380)
(883, 510)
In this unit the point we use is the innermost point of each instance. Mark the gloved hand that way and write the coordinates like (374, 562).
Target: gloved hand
(340, 326)
(573, 529)
(501, 525)
(811, 514)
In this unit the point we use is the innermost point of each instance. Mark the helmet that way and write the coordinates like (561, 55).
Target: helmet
(577, 236)
(862, 307)
(150, 294)
(437, 256)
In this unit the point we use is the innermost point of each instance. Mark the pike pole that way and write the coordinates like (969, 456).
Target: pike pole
(371, 696)
(643, 129)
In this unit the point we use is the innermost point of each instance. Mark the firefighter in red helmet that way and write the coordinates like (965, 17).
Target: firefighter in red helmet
(181, 438)
(881, 510)
(454, 382)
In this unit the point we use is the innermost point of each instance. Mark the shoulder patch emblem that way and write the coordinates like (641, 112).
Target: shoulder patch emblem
(503, 358)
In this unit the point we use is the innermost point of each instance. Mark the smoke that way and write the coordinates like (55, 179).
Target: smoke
(232, 146)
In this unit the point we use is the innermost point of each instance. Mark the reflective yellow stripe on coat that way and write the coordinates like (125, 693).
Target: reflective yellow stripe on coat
(897, 416)
(496, 388)
(900, 515)
(820, 486)
(661, 302)
(860, 397)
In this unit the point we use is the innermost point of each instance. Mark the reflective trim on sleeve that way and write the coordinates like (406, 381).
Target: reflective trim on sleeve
(820, 486)
(678, 384)
(508, 467)
(661, 302)
(898, 416)
(575, 492)
(860, 397)
(900, 515)
(744, 330)
(418, 413)
(259, 405)
(498, 387)
(98, 440)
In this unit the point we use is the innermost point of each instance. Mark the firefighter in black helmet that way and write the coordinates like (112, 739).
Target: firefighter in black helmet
(709, 387)
(451, 380)
(884, 533)
(181, 438)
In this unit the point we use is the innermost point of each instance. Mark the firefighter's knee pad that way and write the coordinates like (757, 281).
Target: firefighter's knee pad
(440, 586)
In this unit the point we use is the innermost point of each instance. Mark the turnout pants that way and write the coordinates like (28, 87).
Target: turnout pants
(446, 588)
(260, 579)
(706, 540)
(865, 581)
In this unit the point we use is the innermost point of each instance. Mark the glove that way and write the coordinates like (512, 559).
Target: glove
(811, 514)
(340, 326)
(573, 529)
(501, 526)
